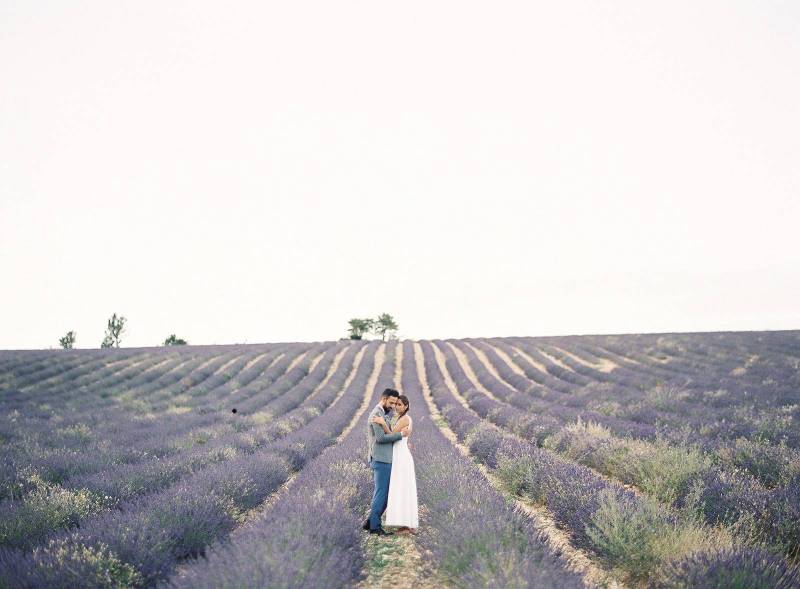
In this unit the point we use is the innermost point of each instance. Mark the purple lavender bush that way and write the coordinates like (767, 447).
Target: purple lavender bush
(735, 568)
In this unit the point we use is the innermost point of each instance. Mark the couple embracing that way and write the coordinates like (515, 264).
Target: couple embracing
(389, 455)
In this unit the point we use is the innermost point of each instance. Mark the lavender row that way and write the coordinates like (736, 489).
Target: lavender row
(709, 412)
(529, 407)
(473, 537)
(669, 474)
(676, 428)
(129, 434)
(65, 457)
(25, 522)
(711, 366)
(310, 536)
(147, 539)
(597, 513)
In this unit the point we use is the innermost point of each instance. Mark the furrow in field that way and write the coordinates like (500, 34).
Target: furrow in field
(603, 365)
(481, 355)
(536, 370)
(398, 555)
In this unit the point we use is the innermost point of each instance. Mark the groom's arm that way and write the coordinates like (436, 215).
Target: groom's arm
(381, 437)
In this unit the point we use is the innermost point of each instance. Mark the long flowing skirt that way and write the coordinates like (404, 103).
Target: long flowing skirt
(401, 509)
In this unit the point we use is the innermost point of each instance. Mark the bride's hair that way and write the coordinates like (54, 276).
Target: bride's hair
(405, 402)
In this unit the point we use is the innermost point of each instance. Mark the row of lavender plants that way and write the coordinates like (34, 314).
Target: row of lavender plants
(643, 396)
(85, 494)
(248, 388)
(670, 474)
(715, 376)
(631, 533)
(470, 535)
(309, 536)
(748, 372)
(743, 445)
(56, 452)
(772, 466)
(144, 541)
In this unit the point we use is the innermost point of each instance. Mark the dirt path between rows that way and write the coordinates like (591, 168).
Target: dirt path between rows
(380, 356)
(605, 365)
(489, 366)
(252, 362)
(535, 363)
(331, 371)
(465, 366)
(508, 360)
(394, 561)
(296, 361)
(555, 360)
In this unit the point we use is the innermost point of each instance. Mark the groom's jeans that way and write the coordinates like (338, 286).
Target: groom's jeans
(381, 472)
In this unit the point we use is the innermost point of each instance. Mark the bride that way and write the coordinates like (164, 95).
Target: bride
(401, 509)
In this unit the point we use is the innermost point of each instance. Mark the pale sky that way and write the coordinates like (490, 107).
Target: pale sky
(265, 171)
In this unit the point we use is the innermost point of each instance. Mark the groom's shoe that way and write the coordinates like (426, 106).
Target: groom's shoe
(380, 532)
(366, 524)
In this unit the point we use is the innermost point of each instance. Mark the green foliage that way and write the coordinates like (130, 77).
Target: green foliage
(48, 507)
(114, 329)
(360, 327)
(68, 341)
(662, 470)
(772, 424)
(90, 566)
(172, 340)
(384, 324)
(772, 465)
(665, 472)
(79, 434)
(734, 568)
(639, 536)
(518, 475)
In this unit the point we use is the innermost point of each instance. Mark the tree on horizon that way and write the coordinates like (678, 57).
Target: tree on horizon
(114, 329)
(359, 327)
(172, 340)
(68, 341)
(383, 324)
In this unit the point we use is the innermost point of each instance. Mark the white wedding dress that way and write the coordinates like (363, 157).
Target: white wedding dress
(401, 509)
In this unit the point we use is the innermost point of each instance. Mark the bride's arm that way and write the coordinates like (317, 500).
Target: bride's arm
(401, 423)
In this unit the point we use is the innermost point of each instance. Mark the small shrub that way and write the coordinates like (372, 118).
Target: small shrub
(47, 508)
(665, 471)
(734, 568)
(64, 564)
(772, 465)
(638, 535)
(520, 475)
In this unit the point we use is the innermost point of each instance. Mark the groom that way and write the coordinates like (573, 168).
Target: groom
(379, 455)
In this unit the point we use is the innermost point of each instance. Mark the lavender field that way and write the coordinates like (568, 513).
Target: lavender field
(658, 460)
